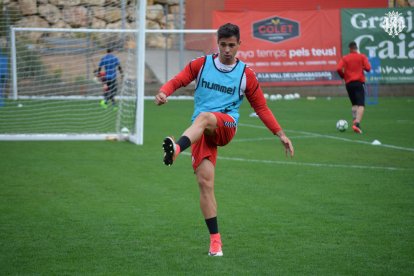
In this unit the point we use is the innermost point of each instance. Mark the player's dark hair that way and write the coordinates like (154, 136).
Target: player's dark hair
(353, 45)
(228, 30)
(109, 50)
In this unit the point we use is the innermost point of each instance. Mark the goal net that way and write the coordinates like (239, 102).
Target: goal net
(50, 88)
(58, 93)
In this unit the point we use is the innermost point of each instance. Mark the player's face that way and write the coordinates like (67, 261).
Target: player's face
(228, 48)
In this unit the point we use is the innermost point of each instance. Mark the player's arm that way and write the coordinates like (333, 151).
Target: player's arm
(118, 64)
(97, 71)
(367, 65)
(286, 143)
(340, 69)
(101, 63)
(254, 95)
(182, 79)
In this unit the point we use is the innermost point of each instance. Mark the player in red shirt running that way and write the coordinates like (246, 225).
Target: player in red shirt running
(351, 68)
(222, 81)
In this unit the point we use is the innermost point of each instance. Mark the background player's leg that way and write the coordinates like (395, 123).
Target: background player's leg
(360, 113)
(112, 91)
(354, 112)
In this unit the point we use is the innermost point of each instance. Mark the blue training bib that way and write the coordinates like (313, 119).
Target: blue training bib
(219, 91)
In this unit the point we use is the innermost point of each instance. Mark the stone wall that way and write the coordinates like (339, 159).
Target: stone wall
(98, 14)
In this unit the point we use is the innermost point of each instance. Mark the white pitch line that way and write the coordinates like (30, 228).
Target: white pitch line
(408, 122)
(321, 165)
(336, 138)
(313, 164)
(268, 138)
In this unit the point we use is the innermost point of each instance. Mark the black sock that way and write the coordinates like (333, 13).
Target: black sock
(184, 142)
(212, 225)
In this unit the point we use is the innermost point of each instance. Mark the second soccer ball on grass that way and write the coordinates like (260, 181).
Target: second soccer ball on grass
(342, 125)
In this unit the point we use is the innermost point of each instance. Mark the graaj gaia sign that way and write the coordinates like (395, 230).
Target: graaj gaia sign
(385, 35)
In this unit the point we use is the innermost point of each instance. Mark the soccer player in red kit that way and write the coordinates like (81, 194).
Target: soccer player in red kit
(222, 81)
(351, 68)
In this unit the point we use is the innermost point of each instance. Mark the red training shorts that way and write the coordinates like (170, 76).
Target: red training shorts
(206, 147)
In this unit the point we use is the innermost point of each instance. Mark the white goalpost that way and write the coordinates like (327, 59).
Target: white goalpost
(54, 93)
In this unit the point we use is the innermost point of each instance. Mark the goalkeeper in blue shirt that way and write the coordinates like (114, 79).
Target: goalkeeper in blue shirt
(110, 62)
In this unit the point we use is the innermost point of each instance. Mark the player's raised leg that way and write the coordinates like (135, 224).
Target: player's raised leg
(170, 149)
(205, 122)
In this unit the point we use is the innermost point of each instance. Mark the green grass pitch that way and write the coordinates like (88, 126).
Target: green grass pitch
(341, 206)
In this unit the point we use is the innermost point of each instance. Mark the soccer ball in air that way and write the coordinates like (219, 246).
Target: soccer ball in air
(342, 125)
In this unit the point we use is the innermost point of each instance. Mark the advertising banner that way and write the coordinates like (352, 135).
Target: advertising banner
(288, 47)
(386, 36)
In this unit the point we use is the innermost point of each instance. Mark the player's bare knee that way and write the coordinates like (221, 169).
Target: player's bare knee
(204, 118)
(206, 187)
(205, 182)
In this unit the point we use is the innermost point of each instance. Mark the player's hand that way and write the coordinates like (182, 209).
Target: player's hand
(161, 98)
(287, 144)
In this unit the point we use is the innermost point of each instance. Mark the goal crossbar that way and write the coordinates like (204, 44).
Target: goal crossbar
(88, 30)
